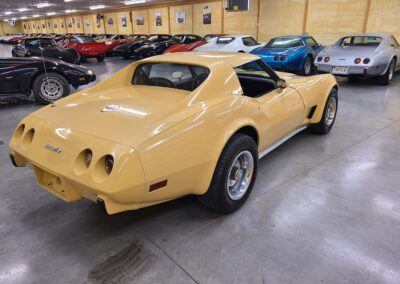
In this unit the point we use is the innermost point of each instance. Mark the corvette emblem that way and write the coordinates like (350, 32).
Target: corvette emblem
(109, 108)
(52, 148)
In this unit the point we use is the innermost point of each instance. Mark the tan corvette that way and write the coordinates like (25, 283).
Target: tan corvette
(169, 126)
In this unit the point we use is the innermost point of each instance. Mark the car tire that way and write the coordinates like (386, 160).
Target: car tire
(100, 58)
(224, 195)
(13, 53)
(388, 76)
(328, 116)
(307, 66)
(47, 89)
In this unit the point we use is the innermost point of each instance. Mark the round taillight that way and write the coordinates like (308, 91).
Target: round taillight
(366, 60)
(108, 164)
(276, 57)
(326, 59)
(88, 155)
(283, 57)
(357, 60)
(319, 58)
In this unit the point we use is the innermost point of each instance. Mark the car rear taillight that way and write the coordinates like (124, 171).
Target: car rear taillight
(276, 57)
(326, 59)
(366, 60)
(319, 58)
(357, 60)
(283, 57)
(108, 163)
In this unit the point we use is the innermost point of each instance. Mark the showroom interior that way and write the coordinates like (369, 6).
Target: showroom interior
(199, 141)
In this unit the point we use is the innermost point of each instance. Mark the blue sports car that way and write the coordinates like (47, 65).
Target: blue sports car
(290, 53)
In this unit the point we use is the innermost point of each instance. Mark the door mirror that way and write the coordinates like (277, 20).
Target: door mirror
(281, 84)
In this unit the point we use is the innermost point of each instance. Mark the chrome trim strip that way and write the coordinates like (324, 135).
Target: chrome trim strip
(281, 141)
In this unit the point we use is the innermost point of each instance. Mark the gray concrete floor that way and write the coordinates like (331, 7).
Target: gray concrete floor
(324, 209)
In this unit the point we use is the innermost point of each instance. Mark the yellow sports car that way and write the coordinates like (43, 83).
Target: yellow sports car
(169, 126)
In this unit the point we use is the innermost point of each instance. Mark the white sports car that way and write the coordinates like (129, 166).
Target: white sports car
(230, 43)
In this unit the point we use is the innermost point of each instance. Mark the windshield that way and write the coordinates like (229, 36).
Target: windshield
(285, 42)
(170, 75)
(84, 39)
(208, 38)
(43, 42)
(361, 41)
(152, 38)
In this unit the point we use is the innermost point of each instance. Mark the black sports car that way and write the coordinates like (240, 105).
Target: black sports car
(128, 49)
(49, 79)
(157, 48)
(46, 46)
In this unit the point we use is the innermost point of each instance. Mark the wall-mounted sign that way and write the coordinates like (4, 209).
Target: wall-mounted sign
(70, 23)
(78, 23)
(139, 20)
(158, 19)
(180, 17)
(123, 20)
(207, 15)
(110, 21)
(87, 23)
(54, 25)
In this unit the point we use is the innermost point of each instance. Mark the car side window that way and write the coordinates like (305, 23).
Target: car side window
(393, 42)
(164, 37)
(249, 41)
(311, 42)
(74, 40)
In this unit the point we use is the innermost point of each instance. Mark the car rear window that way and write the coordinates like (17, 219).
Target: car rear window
(84, 39)
(170, 75)
(361, 41)
(286, 42)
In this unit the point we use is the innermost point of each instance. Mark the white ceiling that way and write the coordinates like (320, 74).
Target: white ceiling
(60, 6)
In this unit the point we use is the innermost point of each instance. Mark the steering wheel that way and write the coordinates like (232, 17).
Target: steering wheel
(161, 82)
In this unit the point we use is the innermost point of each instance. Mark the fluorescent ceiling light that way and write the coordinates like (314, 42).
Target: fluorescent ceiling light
(35, 16)
(13, 19)
(6, 20)
(8, 13)
(42, 5)
(131, 2)
(96, 7)
(23, 17)
(68, 0)
(51, 13)
(70, 11)
(22, 10)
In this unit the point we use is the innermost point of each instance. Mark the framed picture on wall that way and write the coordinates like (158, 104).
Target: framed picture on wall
(158, 19)
(110, 21)
(55, 25)
(123, 20)
(43, 26)
(181, 17)
(62, 24)
(78, 23)
(48, 24)
(139, 20)
(206, 15)
(70, 23)
(24, 27)
(87, 23)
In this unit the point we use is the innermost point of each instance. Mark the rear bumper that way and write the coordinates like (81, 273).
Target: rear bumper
(290, 65)
(374, 70)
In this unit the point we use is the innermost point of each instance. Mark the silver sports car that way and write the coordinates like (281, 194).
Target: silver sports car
(375, 55)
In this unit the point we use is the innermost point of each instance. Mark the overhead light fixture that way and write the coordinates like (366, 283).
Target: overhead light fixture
(22, 10)
(42, 5)
(70, 11)
(36, 16)
(23, 17)
(68, 0)
(6, 20)
(132, 2)
(13, 19)
(8, 13)
(51, 13)
(97, 7)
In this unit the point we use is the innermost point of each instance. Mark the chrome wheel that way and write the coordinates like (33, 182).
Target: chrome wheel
(391, 70)
(52, 89)
(330, 111)
(307, 66)
(240, 175)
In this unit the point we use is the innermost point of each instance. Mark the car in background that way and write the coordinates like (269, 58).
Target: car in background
(86, 46)
(185, 47)
(362, 55)
(45, 46)
(157, 48)
(48, 79)
(230, 43)
(15, 39)
(128, 49)
(294, 54)
(188, 124)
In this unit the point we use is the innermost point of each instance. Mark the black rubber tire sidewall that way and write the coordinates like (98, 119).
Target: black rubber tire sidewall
(217, 197)
(384, 80)
(100, 58)
(321, 127)
(303, 71)
(40, 79)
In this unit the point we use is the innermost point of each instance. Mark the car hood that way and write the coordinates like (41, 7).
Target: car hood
(126, 115)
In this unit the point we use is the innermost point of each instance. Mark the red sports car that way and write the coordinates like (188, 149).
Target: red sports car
(86, 46)
(15, 39)
(183, 47)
